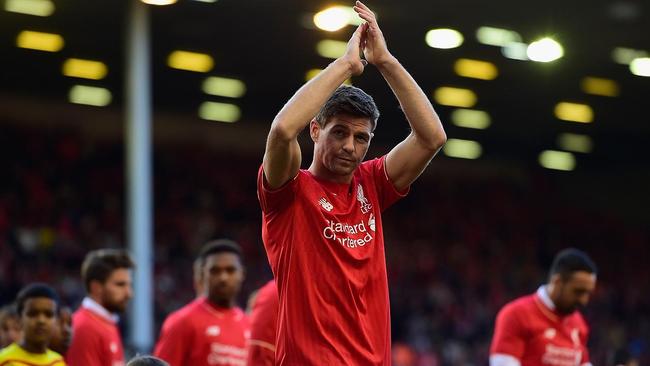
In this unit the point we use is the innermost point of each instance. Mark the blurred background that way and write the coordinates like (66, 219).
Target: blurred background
(544, 103)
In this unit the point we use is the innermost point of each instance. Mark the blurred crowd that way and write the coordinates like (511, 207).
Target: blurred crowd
(457, 248)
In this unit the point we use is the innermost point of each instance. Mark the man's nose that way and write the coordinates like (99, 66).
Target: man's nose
(348, 145)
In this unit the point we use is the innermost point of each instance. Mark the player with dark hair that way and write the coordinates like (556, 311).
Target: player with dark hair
(9, 325)
(322, 227)
(146, 361)
(37, 305)
(211, 330)
(106, 274)
(546, 328)
(264, 324)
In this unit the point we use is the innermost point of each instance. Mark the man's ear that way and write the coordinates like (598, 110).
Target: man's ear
(556, 280)
(95, 288)
(314, 130)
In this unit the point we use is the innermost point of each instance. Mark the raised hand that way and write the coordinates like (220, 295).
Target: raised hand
(372, 42)
(353, 53)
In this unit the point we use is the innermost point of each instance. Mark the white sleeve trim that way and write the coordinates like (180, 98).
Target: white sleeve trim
(501, 359)
(587, 364)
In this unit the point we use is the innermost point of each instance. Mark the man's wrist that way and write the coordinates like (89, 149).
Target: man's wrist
(345, 65)
(387, 63)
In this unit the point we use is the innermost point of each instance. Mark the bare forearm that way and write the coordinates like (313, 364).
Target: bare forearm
(424, 121)
(307, 101)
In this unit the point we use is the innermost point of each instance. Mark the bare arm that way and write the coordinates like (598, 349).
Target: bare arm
(282, 156)
(410, 157)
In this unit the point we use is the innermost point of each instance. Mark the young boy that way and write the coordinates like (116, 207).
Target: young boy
(37, 307)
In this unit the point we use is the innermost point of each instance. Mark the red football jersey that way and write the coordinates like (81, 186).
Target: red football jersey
(96, 339)
(325, 244)
(202, 334)
(530, 331)
(264, 323)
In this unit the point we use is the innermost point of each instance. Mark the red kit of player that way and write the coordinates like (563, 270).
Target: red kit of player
(325, 244)
(96, 339)
(201, 334)
(264, 323)
(530, 331)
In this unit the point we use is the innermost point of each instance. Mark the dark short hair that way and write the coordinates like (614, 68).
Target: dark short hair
(219, 246)
(571, 260)
(99, 264)
(146, 361)
(35, 290)
(351, 101)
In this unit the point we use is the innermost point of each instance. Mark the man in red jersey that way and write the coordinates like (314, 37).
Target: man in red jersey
(545, 328)
(96, 342)
(211, 330)
(264, 323)
(322, 227)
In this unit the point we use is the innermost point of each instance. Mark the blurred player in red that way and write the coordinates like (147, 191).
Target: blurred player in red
(96, 338)
(264, 324)
(211, 330)
(322, 227)
(546, 328)
(37, 305)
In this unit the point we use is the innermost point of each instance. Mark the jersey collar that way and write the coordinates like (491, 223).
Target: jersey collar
(96, 308)
(542, 294)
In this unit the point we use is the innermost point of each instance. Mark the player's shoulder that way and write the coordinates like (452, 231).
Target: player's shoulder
(8, 351)
(53, 356)
(371, 165)
(184, 313)
(579, 320)
(519, 305)
(268, 291)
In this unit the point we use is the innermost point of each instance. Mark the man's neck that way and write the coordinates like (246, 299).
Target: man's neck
(323, 173)
(96, 307)
(32, 347)
(221, 304)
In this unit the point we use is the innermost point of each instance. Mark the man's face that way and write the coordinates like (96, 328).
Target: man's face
(574, 293)
(62, 332)
(223, 275)
(342, 143)
(38, 320)
(10, 331)
(117, 291)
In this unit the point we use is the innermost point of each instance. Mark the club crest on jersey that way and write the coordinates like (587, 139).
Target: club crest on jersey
(363, 201)
(213, 331)
(550, 333)
(325, 204)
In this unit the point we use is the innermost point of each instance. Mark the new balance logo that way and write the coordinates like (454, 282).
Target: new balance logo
(213, 331)
(325, 204)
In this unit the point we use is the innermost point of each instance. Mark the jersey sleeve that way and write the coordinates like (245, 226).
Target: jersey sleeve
(174, 342)
(275, 199)
(509, 334)
(386, 191)
(86, 348)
